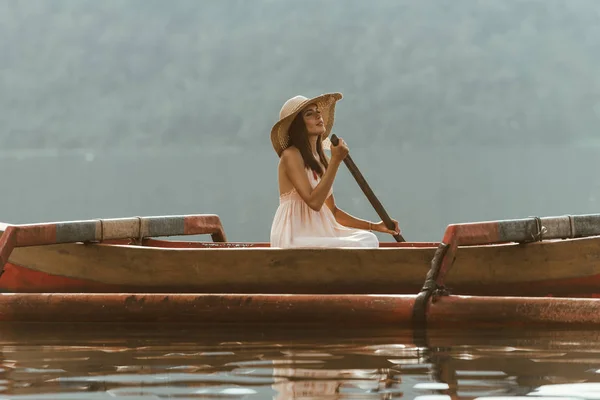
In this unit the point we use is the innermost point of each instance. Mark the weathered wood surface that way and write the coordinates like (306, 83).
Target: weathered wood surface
(98, 230)
(572, 258)
(542, 266)
(275, 268)
(559, 267)
(332, 310)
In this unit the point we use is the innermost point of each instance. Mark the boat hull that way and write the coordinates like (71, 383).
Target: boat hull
(304, 310)
(549, 268)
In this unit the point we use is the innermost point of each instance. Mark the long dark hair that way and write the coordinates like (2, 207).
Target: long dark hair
(299, 139)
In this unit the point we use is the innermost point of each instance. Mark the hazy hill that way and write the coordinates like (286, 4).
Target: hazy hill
(145, 73)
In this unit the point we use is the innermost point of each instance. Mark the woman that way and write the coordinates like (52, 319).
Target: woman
(306, 178)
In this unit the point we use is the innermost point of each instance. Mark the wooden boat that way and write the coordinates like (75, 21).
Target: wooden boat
(552, 256)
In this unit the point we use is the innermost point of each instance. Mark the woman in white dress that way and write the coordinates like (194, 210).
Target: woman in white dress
(307, 215)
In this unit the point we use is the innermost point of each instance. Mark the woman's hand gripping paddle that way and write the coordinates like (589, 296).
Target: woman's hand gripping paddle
(367, 191)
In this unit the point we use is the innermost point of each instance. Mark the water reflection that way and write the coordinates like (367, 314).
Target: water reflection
(147, 362)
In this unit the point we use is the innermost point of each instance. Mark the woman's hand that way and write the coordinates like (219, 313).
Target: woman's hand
(380, 227)
(339, 152)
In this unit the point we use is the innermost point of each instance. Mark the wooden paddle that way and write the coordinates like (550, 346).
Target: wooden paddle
(367, 191)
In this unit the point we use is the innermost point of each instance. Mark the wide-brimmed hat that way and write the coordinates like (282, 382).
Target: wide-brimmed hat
(280, 137)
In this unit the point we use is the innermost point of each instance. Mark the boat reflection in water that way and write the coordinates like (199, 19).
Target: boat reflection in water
(151, 362)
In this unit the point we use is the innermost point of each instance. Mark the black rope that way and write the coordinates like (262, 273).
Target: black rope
(419, 317)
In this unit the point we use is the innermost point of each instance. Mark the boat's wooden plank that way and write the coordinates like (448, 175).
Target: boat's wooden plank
(215, 245)
(319, 269)
(347, 310)
(523, 230)
(512, 263)
(512, 311)
(98, 230)
(149, 266)
(106, 229)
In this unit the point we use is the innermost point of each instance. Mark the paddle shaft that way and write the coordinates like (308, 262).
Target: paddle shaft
(368, 192)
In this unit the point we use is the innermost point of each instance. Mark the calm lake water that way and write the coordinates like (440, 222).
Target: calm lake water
(193, 362)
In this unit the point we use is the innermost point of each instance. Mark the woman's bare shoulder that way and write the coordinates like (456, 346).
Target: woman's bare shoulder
(291, 156)
(290, 152)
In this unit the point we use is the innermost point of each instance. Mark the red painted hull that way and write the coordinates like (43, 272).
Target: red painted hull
(17, 279)
(346, 310)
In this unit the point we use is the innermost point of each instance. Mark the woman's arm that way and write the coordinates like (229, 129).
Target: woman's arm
(351, 221)
(295, 171)
(346, 219)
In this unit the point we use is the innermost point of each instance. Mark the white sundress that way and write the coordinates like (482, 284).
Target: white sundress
(295, 224)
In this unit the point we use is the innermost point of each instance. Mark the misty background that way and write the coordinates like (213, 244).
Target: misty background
(454, 111)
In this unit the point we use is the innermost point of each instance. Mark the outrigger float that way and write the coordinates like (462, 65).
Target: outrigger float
(531, 271)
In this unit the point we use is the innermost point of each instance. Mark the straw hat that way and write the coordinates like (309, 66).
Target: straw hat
(280, 137)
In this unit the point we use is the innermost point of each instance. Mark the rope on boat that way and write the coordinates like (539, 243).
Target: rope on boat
(538, 236)
(430, 286)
